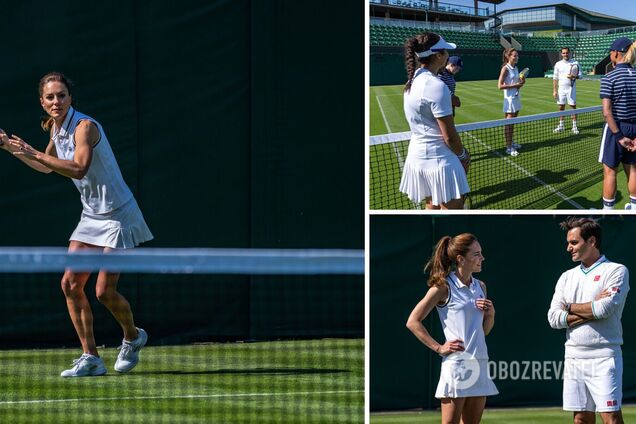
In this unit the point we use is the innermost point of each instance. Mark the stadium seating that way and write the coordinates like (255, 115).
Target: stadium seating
(589, 50)
(394, 35)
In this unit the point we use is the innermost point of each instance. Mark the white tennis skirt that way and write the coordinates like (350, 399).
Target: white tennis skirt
(465, 378)
(512, 104)
(123, 228)
(442, 179)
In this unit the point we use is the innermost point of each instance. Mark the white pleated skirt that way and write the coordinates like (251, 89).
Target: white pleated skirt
(467, 378)
(512, 104)
(442, 179)
(123, 228)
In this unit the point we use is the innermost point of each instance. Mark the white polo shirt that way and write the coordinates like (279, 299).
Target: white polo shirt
(103, 188)
(603, 336)
(561, 72)
(429, 98)
(461, 319)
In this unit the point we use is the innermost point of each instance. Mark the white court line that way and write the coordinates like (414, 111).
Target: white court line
(395, 145)
(227, 395)
(388, 128)
(386, 121)
(529, 174)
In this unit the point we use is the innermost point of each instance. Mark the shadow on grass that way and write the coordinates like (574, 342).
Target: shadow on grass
(593, 204)
(252, 371)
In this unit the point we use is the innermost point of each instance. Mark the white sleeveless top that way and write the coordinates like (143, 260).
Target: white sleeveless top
(512, 77)
(103, 188)
(461, 319)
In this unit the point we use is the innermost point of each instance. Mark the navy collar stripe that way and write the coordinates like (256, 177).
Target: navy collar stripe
(68, 124)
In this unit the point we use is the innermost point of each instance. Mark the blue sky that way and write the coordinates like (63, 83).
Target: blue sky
(621, 8)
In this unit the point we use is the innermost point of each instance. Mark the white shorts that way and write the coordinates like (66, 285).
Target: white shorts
(566, 95)
(512, 104)
(123, 228)
(594, 385)
(465, 378)
(442, 179)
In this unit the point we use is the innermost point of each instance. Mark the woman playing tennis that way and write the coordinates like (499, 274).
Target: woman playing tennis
(467, 316)
(78, 149)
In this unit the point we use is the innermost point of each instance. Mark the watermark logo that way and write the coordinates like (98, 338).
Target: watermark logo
(526, 370)
(462, 369)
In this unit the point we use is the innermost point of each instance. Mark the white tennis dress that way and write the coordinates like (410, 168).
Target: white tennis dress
(464, 374)
(431, 168)
(512, 96)
(110, 215)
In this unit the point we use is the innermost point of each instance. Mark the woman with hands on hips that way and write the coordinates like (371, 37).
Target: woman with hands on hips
(467, 316)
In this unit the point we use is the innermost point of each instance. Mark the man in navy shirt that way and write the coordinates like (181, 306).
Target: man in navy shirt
(618, 145)
(447, 74)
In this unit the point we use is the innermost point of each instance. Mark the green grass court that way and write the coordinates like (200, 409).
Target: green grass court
(525, 416)
(565, 162)
(309, 381)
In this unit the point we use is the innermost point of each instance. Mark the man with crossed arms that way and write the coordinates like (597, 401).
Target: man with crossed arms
(588, 301)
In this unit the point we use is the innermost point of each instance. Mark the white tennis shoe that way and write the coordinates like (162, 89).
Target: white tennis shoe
(129, 352)
(575, 130)
(559, 129)
(85, 366)
(512, 151)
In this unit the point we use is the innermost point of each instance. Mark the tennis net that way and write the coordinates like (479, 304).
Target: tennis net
(234, 336)
(548, 172)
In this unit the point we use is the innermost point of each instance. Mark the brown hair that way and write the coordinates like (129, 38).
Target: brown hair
(445, 257)
(415, 45)
(506, 55)
(46, 121)
(589, 227)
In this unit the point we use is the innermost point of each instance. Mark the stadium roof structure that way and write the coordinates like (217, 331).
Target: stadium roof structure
(433, 10)
(592, 17)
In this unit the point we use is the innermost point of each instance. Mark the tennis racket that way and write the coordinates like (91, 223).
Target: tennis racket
(574, 71)
(522, 76)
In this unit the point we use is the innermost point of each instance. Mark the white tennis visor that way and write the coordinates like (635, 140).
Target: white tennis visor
(440, 45)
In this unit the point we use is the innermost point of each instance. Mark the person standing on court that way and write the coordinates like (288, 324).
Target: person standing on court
(436, 164)
(588, 302)
(110, 219)
(618, 95)
(447, 74)
(467, 316)
(510, 83)
(564, 86)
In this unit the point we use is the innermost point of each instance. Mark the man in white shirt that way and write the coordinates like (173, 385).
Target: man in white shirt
(588, 301)
(566, 72)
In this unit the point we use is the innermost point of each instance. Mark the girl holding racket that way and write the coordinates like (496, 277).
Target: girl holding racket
(467, 316)
(78, 149)
(437, 162)
(510, 83)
